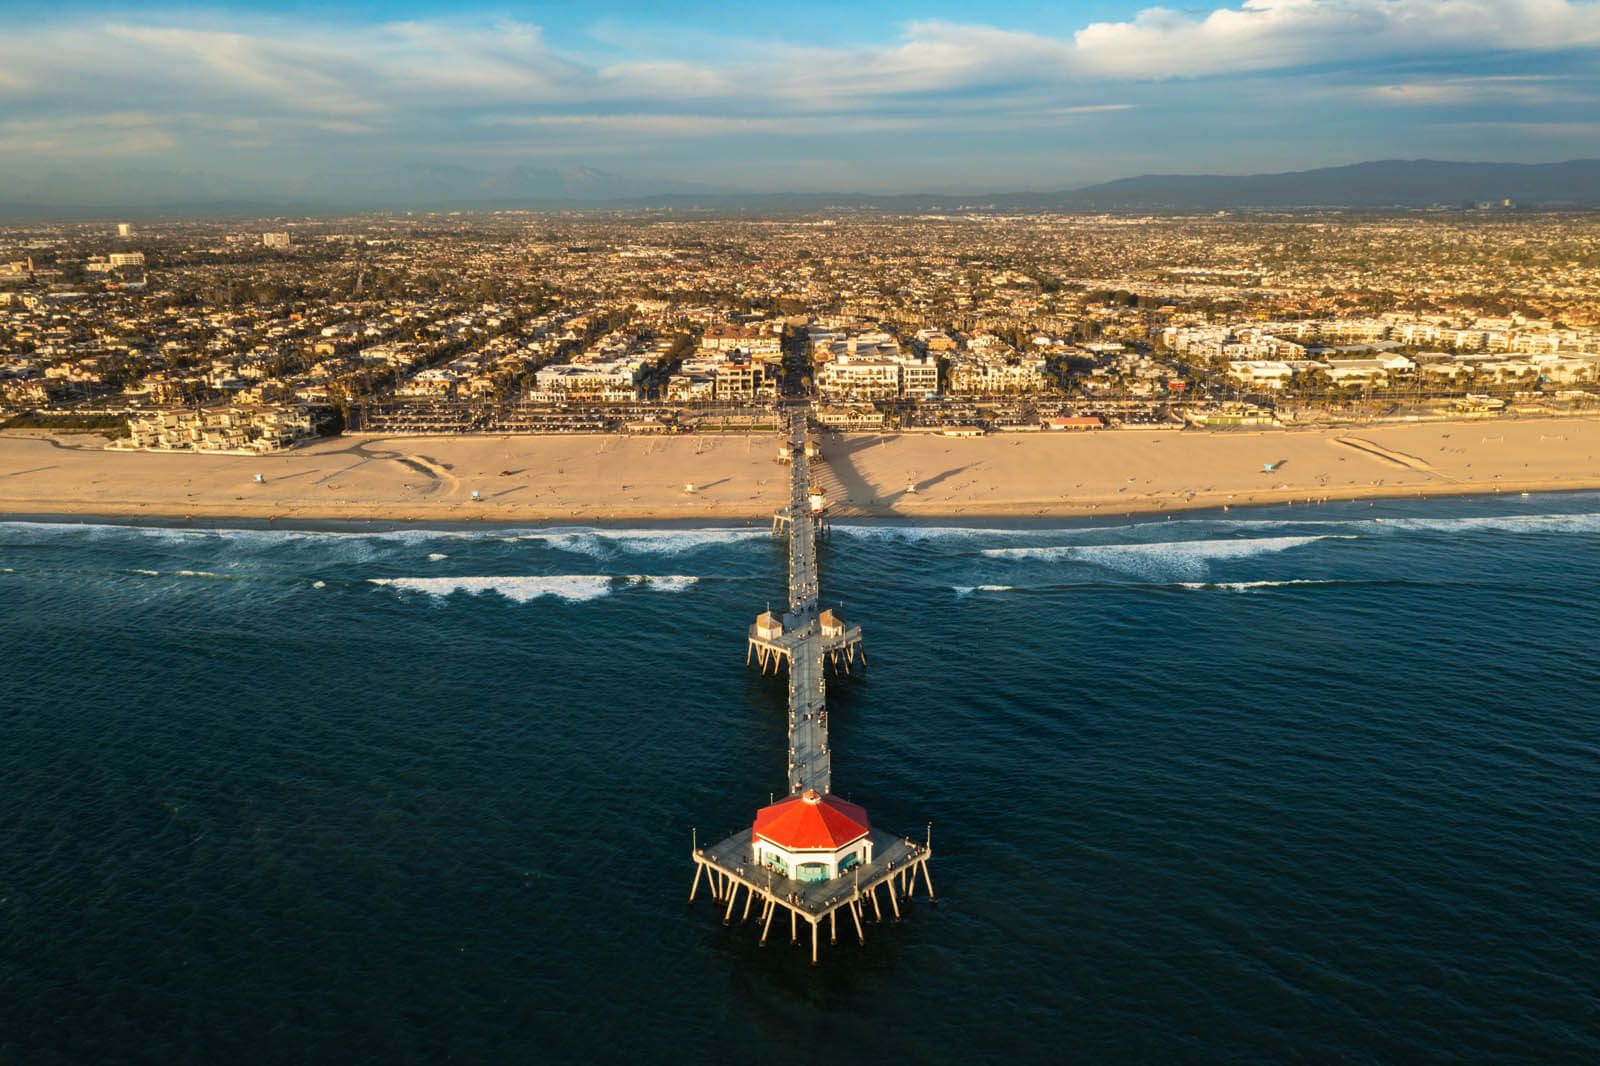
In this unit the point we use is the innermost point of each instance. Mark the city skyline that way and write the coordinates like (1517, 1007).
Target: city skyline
(234, 101)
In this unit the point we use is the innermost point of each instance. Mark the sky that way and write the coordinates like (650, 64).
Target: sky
(813, 95)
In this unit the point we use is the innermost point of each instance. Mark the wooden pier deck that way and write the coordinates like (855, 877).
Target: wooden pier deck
(810, 761)
(807, 639)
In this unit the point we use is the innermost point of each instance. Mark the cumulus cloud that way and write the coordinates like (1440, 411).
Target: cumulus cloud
(1274, 34)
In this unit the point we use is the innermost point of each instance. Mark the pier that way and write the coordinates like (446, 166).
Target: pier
(811, 854)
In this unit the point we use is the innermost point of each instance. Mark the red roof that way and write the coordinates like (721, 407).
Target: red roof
(812, 822)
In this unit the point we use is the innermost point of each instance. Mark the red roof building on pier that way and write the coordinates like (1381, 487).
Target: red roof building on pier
(812, 837)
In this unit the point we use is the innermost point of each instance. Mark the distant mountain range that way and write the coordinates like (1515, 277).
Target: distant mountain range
(1385, 184)
(1388, 183)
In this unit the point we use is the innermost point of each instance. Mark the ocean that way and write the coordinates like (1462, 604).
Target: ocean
(1310, 783)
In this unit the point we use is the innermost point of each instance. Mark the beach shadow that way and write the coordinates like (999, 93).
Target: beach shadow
(929, 483)
(297, 473)
(855, 491)
(411, 464)
(923, 485)
(710, 484)
(507, 492)
(836, 466)
(35, 470)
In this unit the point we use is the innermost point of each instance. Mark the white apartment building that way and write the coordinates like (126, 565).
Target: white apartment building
(866, 379)
(986, 374)
(609, 382)
(919, 377)
(1260, 374)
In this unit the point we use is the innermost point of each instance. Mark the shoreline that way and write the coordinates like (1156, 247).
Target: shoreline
(868, 477)
(1005, 520)
(992, 522)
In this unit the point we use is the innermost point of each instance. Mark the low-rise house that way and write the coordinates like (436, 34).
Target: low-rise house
(218, 430)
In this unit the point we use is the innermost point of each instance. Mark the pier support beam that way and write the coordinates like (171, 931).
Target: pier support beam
(813, 941)
(833, 927)
(855, 913)
(928, 878)
(733, 897)
(699, 868)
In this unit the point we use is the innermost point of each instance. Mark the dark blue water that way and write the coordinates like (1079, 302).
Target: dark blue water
(1302, 784)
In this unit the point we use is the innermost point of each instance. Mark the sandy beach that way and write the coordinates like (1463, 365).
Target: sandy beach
(586, 478)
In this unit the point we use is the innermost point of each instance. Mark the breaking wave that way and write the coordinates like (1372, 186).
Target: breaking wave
(599, 542)
(1170, 560)
(572, 588)
(1252, 586)
(1533, 523)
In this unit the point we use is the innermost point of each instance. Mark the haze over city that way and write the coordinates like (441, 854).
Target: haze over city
(119, 103)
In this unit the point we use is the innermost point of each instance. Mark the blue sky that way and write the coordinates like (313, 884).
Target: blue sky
(925, 96)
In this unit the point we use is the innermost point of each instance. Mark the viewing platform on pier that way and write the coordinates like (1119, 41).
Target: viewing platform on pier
(772, 644)
(731, 868)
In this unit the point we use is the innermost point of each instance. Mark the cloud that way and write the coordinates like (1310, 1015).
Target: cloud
(1457, 91)
(660, 125)
(298, 75)
(1276, 34)
(216, 86)
(114, 133)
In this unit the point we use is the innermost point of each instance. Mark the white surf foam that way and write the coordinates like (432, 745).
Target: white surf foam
(963, 591)
(1164, 560)
(1533, 523)
(1252, 527)
(928, 533)
(1250, 586)
(597, 542)
(572, 588)
(436, 556)
(663, 583)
